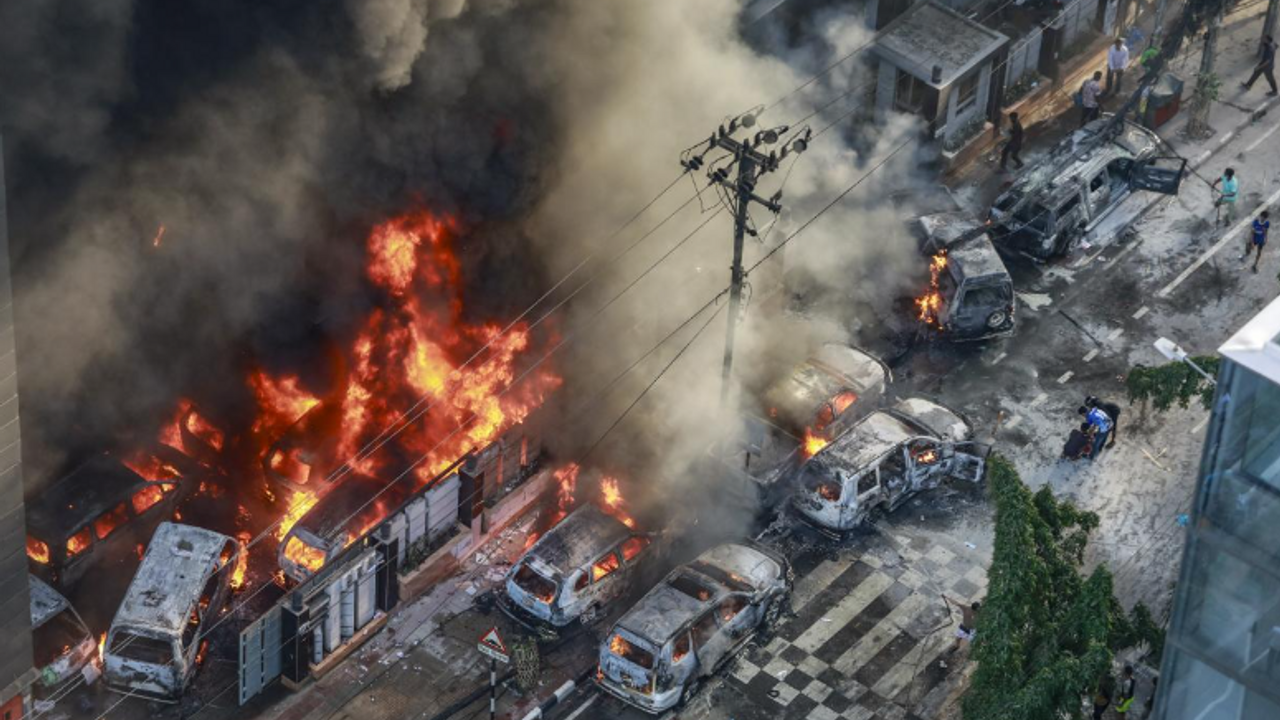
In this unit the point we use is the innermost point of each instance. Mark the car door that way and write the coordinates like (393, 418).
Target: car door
(1099, 190)
(724, 627)
(1158, 174)
(605, 574)
(926, 467)
(966, 461)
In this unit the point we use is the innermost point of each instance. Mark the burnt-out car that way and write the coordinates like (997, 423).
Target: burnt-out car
(62, 645)
(176, 595)
(1058, 202)
(691, 624)
(975, 291)
(577, 568)
(824, 393)
(884, 460)
(96, 515)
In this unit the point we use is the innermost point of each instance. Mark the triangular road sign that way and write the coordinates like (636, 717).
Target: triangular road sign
(493, 641)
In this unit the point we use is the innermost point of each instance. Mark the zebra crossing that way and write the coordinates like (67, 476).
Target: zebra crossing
(870, 633)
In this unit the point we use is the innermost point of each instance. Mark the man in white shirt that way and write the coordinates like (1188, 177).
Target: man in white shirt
(1117, 61)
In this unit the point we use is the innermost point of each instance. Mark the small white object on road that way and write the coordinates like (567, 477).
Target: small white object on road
(1066, 376)
(971, 546)
(1091, 355)
(1141, 311)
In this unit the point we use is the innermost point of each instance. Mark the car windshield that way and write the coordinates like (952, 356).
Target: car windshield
(57, 637)
(530, 581)
(142, 648)
(630, 652)
(818, 482)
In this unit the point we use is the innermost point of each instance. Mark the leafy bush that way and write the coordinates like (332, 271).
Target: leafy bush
(1019, 89)
(967, 132)
(1163, 385)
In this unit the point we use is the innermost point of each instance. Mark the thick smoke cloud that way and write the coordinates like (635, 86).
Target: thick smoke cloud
(266, 138)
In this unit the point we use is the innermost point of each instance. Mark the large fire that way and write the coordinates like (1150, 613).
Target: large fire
(929, 305)
(37, 551)
(238, 581)
(812, 443)
(613, 503)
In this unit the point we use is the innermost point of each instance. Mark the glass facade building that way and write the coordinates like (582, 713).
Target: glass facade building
(1222, 654)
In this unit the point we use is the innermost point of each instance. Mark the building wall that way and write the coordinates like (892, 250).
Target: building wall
(1222, 656)
(1024, 57)
(957, 119)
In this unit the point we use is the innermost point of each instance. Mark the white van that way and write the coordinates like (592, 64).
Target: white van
(62, 643)
(173, 599)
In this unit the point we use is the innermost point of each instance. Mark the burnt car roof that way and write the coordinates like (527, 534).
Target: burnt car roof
(354, 496)
(818, 379)
(863, 444)
(936, 419)
(82, 495)
(1052, 181)
(171, 577)
(973, 258)
(578, 539)
(45, 602)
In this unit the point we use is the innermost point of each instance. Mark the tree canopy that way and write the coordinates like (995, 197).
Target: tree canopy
(1176, 381)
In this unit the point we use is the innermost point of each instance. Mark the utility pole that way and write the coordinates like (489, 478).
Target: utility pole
(752, 164)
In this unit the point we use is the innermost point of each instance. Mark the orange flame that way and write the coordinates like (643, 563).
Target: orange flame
(842, 401)
(159, 234)
(304, 555)
(37, 550)
(928, 457)
(242, 561)
(299, 503)
(150, 467)
(281, 401)
(613, 502)
(812, 443)
(930, 304)
(618, 645)
(200, 427)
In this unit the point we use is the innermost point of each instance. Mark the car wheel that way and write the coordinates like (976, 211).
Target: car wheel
(997, 319)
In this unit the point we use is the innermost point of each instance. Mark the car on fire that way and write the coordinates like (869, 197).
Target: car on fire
(975, 299)
(826, 392)
(97, 514)
(691, 624)
(884, 460)
(176, 596)
(576, 569)
(61, 642)
(1057, 202)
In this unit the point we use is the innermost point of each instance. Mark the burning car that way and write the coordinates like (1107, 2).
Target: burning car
(691, 624)
(827, 391)
(1056, 203)
(151, 649)
(971, 292)
(62, 642)
(577, 567)
(884, 460)
(101, 510)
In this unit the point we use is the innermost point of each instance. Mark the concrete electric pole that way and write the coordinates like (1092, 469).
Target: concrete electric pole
(753, 161)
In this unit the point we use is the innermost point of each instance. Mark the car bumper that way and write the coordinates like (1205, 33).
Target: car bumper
(654, 705)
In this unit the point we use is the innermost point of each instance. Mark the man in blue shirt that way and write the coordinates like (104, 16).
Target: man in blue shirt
(1100, 420)
(1226, 202)
(1261, 225)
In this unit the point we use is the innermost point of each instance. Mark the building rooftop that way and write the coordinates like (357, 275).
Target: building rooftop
(1257, 344)
(931, 34)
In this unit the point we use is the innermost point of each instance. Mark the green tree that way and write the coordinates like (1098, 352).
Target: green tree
(1163, 385)
(1046, 635)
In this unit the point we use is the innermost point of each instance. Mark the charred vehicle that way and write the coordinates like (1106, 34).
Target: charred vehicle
(975, 293)
(1058, 202)
(100, 512)
(62, 643)
(884, 460)
(691, 624)
(176, 595)
(575, 569)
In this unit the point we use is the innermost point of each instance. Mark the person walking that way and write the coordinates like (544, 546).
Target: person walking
(1261, 225)
(1089, 93)
(1102, 422)
(1102, 697)
(1014, 146)
(1112, 410)
(1117, 61)
(1124, 698)
(968, 622)
(1265, 67)
(1230, 192)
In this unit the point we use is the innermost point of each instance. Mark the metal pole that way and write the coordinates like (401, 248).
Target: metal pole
(746, 178)
(493, 689)
(1269, 24)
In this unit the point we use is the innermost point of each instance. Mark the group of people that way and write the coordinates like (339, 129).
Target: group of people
(1122, 695)
(1097, 431)
(1228, 188)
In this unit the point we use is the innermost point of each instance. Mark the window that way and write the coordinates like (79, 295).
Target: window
(910, 93)
(703, 630)
(530, 581)
(967, 93)
(630, 652)
(147, 497)
(730, 608)
(632, 547)
(141, 648)
(56, 637)
(825, 417)
(681, 649)
(79, 542)
(581, 583)
(866, 483)
(605, 566)
(893, 466)
(691, 586)
(108, 521)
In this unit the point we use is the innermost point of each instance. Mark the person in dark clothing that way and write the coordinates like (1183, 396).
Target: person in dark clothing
(1014, 146)
(1265, 67)
(1112, 410)
(1102, 697)
(1078, 443)
(1128, 687)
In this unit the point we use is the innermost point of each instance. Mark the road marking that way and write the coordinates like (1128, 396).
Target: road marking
(999, 357)
(1087, 259)
(1200, 425)
(844, 611)
(1262, 139)
(1120, 257)
(1239, 226)
(1115, 333)
(1091, 355)
(1141, 311)
(1013, 422)
(583, 707)
(1065, 377)
(1202, 157)
(1038, 399)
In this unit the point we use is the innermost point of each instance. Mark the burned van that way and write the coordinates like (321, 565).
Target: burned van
(97, 514)
(823, 394)
(691, 624)
(975, 291)
(175, 597)
(62, 644)
(1058, 202)
(884, 460)
(575, 569)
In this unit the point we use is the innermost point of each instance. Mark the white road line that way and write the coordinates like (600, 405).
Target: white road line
(1065, 377)
(1202, 157)
(1091, 355)
(1141, 311)
(1120, 257)
(1013, 422)
(583, 707)
(1087, 259)
(1200, 425)
(1115, 333)
(999, 357)
(1245, 222)
(1038, 399)
(846, 610)
(1262, 139)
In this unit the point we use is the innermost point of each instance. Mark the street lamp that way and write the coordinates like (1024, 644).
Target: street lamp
(1171, 350)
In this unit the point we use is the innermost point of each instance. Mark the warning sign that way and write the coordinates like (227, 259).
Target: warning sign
(491, 644)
